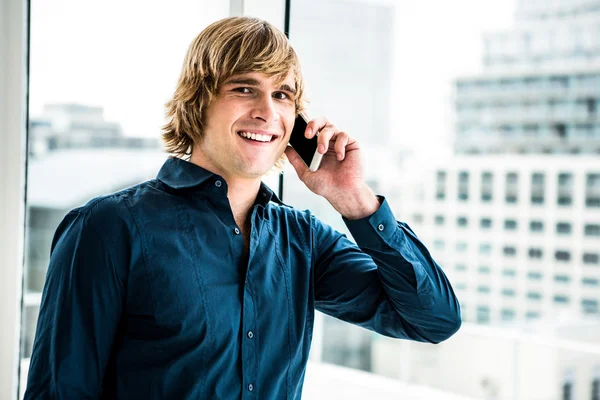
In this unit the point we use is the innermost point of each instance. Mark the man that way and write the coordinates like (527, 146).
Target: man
(200, 284)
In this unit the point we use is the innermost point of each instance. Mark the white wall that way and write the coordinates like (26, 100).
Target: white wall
(12, 157)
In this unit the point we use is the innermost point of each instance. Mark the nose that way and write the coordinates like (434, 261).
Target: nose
(264, 108)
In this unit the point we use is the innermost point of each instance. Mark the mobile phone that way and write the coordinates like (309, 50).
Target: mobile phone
(306, 148)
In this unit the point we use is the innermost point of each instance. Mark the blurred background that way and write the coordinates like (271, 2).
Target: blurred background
(481, 123)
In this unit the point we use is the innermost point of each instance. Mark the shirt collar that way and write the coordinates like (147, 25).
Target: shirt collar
(180, 174)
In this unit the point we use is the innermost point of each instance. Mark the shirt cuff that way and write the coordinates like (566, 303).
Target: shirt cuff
(375, 230)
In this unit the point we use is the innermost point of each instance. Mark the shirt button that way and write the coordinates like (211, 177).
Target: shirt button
(380, 227)
(218, 183)
(250, 334)
(250, 387)
(237, 231)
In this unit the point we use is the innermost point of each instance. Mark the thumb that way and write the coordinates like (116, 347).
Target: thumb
(296, 162)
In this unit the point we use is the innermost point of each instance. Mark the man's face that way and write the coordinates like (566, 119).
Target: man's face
(248, 125)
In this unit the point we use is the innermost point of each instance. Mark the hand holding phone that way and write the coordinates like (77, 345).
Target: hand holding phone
(307, 149)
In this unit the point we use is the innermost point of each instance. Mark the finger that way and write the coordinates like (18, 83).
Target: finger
(325, 136)
(314, 126)
(296, 162)
(341, 141)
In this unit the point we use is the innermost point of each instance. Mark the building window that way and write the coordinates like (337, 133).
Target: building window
(462, 222)
(483, 314)
(537, 188)
(483, 289)
(418, 218)
(532, 315)
(591, 258)
(485, 248)
(440, 220)
(589, 282)
(487, 186)
(534, 276)
(438, 244)
(567, 392)
(563, 228)
(485, 223)
(508, 292)
(591, 230)
(509, 272)
(561, 299)
(535, 253)
(460, 286)
(565, 189)
(485, 270)
(534, 295)
(440, 188)
(562, 255)
(562, 278)
(592, 190)
(461, 267)
(461, 247)
(463, 186)
(589, 306)
(510, 224)
(508, 314)
(596, 389)
(509, 251)
(512, 187)
(536, 226)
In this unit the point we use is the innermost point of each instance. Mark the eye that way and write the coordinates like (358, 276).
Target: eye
(281, 95)
(242, 89)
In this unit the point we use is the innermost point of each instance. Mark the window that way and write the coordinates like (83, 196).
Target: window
(487, 186)
(438, 244)
(563, 228)
(483, 314)
(417, 218)
(508, 314)
(509, 251)
(536, 226)
(567, 392)
(461, 247)
(440, 220)
(508, 292)
(440, 187)
(460, 286)
(591, 258)
(592, 190)
(485, 270)
(485, 248)
(534, 276)
(596, 389)
(532, 315)
(589, 306)
(509, 272)
(485, 223)
(591, 230)
(512, 188)
(483, 289)
(562, 278)
(462, 222)
(561, 299)
(510, 224)
(565, 189)
(589, 282)
(537, 188)
(463, 186)
(535, 253)
(461, 267)
(534, 295)
(562, 255)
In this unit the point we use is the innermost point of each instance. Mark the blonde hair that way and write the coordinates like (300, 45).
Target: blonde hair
(227, 47)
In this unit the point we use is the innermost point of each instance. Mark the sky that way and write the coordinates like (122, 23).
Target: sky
(126, 57)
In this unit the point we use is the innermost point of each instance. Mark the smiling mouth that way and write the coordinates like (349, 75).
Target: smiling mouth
(257, 137)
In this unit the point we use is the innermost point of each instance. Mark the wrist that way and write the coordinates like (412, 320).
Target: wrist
(357, 204)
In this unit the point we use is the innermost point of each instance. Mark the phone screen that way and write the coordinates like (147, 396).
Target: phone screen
(305, 148)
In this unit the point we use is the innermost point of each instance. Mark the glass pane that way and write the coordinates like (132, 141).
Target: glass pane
(100, 73)
(490, 141)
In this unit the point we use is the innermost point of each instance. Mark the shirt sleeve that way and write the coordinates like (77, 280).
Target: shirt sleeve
(79, 314)
(389, 283)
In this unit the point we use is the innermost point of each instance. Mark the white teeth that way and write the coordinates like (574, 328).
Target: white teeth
(256, 136)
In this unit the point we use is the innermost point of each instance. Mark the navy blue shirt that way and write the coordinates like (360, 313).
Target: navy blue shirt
(150, 295)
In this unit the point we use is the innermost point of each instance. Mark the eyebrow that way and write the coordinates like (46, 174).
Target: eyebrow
(254, 82)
